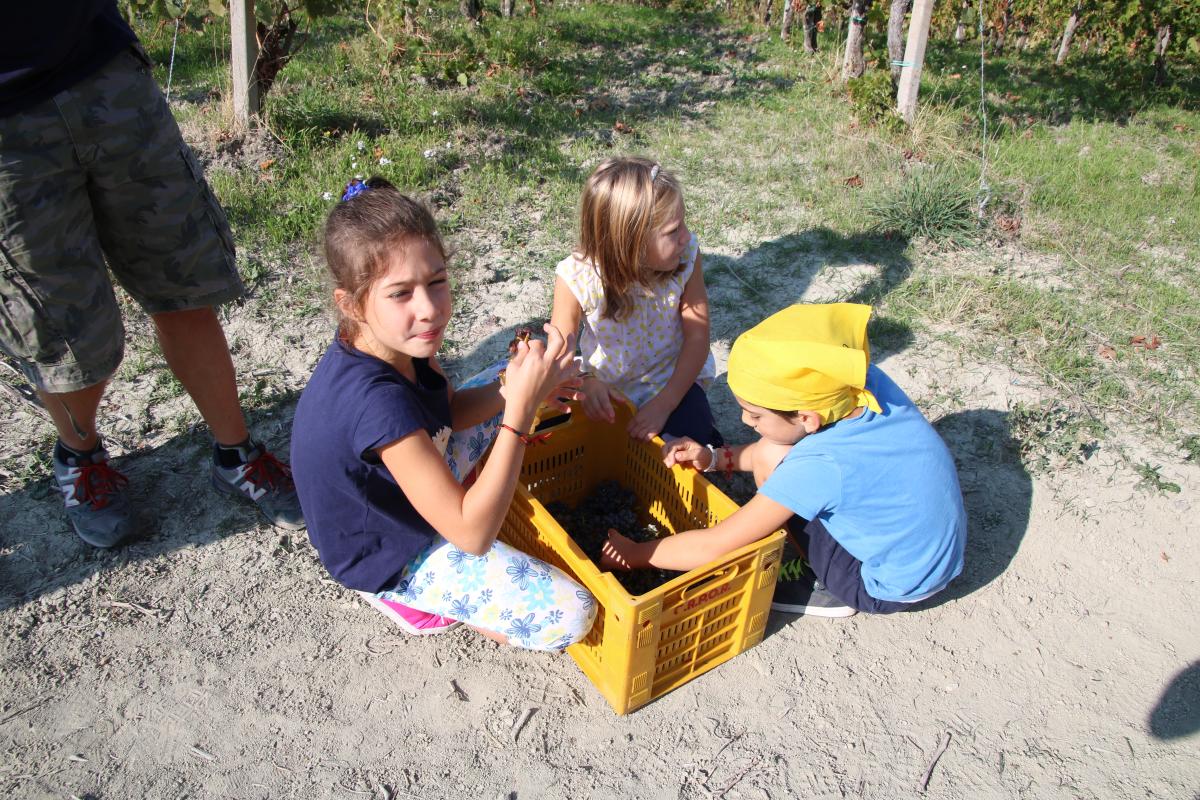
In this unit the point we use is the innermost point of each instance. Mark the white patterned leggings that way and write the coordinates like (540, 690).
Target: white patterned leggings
(535, 605)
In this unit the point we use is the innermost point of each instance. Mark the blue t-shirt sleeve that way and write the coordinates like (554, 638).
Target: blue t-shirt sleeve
(390, 412)
(886, 390)
(808, 485)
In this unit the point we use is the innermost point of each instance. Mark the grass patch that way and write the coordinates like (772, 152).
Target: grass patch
(934, 203)
(1049, 435)
(1151, 480)
(873, 96)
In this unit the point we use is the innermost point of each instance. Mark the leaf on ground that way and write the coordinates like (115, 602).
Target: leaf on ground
(1146, 342)
(1009, 223)
(266, 165)
(854, 182)
(1107, 352)
(621, 127)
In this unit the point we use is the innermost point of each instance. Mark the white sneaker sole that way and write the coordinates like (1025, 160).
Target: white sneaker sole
(815, 611)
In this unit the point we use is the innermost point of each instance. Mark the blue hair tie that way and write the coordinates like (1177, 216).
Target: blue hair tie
(353, 189)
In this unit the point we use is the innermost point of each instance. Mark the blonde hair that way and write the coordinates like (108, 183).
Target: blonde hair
(362, 234)
(624, 200)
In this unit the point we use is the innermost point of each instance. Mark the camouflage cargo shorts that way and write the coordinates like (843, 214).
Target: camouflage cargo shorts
(97, 179)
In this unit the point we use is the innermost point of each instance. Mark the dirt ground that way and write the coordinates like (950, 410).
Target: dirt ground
(214, 658)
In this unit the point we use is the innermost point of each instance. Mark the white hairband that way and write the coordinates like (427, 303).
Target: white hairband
(653, 173)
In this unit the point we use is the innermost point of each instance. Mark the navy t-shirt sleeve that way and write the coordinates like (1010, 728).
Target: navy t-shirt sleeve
(390, 412)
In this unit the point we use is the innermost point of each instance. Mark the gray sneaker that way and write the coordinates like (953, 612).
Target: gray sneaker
(797, 591)
(95, 497)
(266, 481)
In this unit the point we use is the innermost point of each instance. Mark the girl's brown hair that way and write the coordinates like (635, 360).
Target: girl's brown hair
(624, 201)
(363, 233)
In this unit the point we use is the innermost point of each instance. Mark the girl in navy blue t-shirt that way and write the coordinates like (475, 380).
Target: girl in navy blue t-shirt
(381, 442)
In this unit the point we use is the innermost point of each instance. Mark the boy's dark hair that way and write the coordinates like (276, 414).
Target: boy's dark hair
(363, 233)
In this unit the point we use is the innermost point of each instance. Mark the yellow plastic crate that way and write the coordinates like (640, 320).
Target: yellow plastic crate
(643, 646)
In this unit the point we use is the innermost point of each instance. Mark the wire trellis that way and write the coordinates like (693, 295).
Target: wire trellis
(171, 68)
(985, 190)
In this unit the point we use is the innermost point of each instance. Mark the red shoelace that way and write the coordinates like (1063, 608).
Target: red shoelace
(97, 483)
(269, 470)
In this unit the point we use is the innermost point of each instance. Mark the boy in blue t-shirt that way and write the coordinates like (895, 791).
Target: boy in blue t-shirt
(863, 483)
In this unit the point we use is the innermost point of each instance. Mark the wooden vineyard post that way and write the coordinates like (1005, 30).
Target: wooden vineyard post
(247, 99)
(914, 59)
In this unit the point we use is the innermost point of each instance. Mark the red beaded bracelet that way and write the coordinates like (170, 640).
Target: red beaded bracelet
(527, 438)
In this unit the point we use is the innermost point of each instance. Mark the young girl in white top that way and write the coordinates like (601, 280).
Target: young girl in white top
(637, 285)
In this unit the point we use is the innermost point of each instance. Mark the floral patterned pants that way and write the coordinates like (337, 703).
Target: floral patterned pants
(535, 605)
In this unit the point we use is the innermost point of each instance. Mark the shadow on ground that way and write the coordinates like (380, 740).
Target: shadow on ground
(176, 507)
(997, 494)
(814, 265)
(1177, 713)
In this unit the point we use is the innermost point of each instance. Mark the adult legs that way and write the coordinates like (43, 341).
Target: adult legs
(194, 345)
(93, 492)
(74, 415)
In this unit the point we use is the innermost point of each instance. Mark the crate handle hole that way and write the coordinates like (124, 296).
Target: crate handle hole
(710, 581)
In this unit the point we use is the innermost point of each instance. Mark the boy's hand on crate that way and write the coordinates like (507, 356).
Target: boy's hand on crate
(620, 553)
(687, 453)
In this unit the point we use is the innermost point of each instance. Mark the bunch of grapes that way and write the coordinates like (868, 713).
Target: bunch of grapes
(610, 505)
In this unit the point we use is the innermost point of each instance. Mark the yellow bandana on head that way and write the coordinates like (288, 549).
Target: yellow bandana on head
(806, 358)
